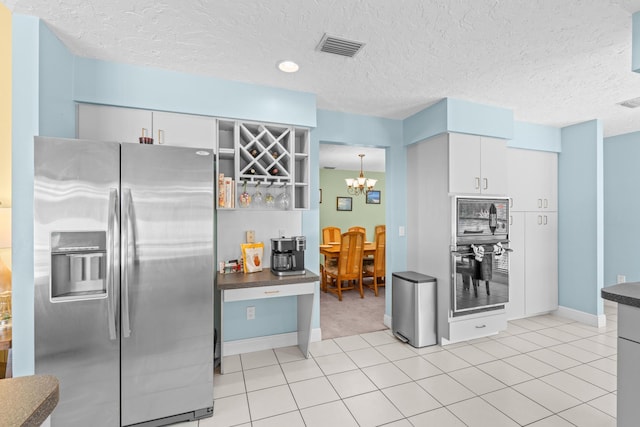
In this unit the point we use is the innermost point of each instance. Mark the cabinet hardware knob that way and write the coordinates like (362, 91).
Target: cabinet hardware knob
(477, 182)
(481, 326)
(486, 183)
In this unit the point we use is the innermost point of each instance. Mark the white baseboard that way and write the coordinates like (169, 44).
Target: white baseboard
(599, 321)
(264, 343)
(387, 321)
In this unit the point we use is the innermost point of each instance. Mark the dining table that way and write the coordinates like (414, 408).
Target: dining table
(332, 250)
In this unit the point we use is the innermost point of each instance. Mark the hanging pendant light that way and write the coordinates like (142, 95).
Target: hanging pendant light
(360, 185)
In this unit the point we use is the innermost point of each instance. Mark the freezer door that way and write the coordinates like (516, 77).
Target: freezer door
(167, 282)
(76, 186)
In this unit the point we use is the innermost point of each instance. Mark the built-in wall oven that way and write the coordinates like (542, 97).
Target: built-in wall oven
(480, 254)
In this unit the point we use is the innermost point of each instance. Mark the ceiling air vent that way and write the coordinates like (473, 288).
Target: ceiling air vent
(339, 46)
(631, 103)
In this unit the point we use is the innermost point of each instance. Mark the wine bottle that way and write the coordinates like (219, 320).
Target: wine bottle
(493, 218)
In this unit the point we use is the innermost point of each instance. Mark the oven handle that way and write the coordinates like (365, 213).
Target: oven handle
(465, 253)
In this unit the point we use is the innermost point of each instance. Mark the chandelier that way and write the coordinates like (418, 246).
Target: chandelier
(360, 185)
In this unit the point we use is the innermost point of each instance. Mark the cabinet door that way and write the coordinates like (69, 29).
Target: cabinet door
(464, 163)
(548, 176)
(184, 130)
(515, 308)
(521, 181)
(105, 123)
(493, 170)
(533, 179)
(541, 262)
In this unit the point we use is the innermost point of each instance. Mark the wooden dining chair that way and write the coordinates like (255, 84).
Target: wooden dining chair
(331, 234)
(349, 266)
(376, 268)
(359, 229)
(380, 228)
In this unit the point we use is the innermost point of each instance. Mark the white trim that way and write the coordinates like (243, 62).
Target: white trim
(267, 342)
(387, 321)
(599, 321)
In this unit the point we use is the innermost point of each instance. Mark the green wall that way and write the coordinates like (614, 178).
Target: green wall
(366, 215)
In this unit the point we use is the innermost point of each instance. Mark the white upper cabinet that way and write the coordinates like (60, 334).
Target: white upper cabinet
(533, 180)
(477, 165)
(184, 130)
(107, 123)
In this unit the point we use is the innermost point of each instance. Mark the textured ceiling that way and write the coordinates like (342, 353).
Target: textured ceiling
(553, 62)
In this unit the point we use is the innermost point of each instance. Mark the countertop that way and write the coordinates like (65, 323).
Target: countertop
(261, 278)
(28, 401)
(623, 293)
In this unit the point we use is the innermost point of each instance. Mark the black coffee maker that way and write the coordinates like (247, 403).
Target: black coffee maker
(287, 255)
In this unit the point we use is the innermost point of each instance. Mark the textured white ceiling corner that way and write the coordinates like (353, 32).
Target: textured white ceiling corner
(551, 62)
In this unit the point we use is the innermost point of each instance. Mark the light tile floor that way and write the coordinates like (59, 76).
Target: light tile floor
(543, 371)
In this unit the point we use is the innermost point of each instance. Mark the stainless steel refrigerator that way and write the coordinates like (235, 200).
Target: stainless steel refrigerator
(124, 262)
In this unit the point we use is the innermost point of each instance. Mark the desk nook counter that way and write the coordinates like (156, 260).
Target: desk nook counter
(262, 285)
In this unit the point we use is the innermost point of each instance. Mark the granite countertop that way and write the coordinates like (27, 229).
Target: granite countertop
(28, 401)
(623, 293)
(261, 278)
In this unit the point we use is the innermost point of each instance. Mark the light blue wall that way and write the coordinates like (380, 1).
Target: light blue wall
(426, 123)
(353, 129)
(58, 113)
(580, 217)
(479, 119)
(24, 124)
(455, 115)
(536, 137)
(110, 83)
(621, 207)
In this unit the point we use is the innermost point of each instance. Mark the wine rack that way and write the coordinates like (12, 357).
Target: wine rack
(268, 158)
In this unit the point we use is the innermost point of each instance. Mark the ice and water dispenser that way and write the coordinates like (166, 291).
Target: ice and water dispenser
(78, 265)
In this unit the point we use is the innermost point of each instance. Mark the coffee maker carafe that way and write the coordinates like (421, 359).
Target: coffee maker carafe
(287, 255)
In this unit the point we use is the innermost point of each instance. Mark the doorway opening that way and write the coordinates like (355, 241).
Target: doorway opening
(340, 208)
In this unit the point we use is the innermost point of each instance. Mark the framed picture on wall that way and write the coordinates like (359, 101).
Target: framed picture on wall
(373, 197)
(343, 203)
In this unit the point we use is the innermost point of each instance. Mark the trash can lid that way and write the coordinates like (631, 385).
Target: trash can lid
(412, 276)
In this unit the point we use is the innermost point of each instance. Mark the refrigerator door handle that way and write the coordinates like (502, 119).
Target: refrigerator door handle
(112, 256)
(126, 261)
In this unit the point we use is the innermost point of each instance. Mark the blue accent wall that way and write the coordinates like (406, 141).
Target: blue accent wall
(621, 207)
(536, 137)
(25, 117)
(580, 218)
(110, 83)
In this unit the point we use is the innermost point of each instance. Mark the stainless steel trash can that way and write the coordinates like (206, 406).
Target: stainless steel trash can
(413, 308)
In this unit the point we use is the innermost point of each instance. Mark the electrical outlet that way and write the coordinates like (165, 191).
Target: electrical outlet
(251, 313)
(621, 278)
(251, 236)
(401, 231)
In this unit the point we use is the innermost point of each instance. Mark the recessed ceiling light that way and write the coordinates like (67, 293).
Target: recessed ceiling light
(288, 66)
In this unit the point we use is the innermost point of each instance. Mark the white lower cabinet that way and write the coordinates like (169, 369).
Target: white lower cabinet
(534, 264)
(473, 326)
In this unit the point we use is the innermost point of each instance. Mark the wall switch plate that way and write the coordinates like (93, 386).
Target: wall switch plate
(251, 236)
(401, 231)
(621, 278)
(251, 313)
